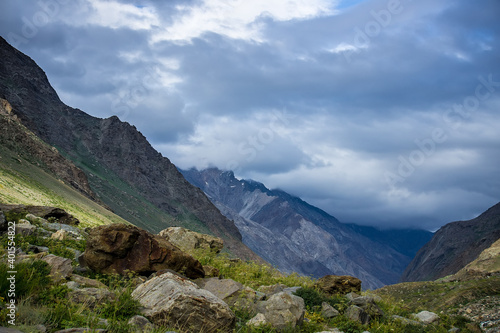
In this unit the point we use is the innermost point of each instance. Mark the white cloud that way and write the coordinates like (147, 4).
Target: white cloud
(115, 15)
(238, 19)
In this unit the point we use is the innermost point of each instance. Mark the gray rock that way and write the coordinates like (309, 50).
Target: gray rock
(72, 285)
(355, 313)
(140, 323)
(60, 235)
(86, 282)
(328, 311)
(231, 292)
(35, 219)
(282, 310)
(426, 317)
(25, 229)
(170, 300)
(91, 296)
(60, 268)
(367, 303)
(272, 289)
(258, 320)
(68, 228)
(37, 249)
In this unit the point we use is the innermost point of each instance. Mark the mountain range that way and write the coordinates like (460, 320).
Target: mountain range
(298, 237)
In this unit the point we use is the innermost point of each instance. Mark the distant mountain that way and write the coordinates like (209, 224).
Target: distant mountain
(296, 236)
(123, 170)
(454, 246)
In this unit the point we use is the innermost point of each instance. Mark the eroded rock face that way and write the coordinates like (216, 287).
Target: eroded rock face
(119, 248)
(335, 284)
(173, 301)
(188, 240)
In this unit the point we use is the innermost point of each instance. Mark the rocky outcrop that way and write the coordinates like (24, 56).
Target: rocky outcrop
(334, 284)
(40, 213)
(188, 240)
(170, 300)
(297, 237)
(118, 248)
(454, 246)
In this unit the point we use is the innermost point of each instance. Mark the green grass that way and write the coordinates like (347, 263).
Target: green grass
(22, 182)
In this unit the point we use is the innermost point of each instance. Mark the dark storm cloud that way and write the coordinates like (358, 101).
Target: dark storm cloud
(323, 102)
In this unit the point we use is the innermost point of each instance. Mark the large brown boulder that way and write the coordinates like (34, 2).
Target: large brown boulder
(118, 248)
(188, 240)
(338, 284)
(170, 300)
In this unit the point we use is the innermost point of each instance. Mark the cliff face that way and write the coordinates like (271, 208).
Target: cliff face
(123, 169)
(296, 236)
(454, 246)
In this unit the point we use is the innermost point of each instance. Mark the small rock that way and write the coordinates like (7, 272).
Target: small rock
(140, 323)
(454, 330)
(91, 296)
(37, 249)
(328, 311)
(211, 271)
(86, 282)
(258, 320)
(426, 317)
(72, 285)
(355, 313)
(25, 229)
(60, 268)
(272, 289)
(41, 328)
(60, 235)
(35, 219)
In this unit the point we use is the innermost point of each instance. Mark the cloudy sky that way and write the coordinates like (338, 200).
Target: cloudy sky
(383, 113)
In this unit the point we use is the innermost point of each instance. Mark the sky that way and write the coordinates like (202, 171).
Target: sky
(382, 113)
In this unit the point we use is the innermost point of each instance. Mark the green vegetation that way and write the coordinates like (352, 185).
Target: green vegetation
(23, 182)
(43, 302)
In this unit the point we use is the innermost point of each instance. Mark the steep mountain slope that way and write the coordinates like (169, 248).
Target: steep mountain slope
(123, 169)
(295, 236)
(34, 173)
(454, 246)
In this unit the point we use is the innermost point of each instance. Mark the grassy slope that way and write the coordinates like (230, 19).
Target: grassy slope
(22, 182)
